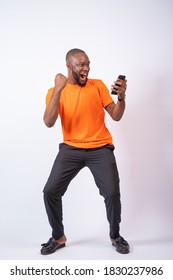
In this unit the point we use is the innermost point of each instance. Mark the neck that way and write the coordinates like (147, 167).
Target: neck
(71, 81)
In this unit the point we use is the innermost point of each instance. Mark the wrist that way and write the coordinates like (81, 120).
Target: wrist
(121, 99)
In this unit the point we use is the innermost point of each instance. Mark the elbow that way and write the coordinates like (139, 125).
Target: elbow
(48, 123)
(49, 120)
(116, 119)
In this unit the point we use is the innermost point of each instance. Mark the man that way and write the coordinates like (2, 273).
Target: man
(80, 103)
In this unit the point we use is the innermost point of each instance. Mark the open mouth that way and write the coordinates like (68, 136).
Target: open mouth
(83, 77)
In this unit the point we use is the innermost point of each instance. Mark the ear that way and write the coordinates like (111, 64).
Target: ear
(68, 65)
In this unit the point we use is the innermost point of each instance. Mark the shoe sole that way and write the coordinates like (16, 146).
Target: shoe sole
(125, 251)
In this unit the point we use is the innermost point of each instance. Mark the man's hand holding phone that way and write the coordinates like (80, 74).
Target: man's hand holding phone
(119, 87)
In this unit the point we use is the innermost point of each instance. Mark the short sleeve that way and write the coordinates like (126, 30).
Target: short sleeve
(105, 96)
(48, 96)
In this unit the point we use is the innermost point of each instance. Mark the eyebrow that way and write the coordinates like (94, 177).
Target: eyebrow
(83, 62)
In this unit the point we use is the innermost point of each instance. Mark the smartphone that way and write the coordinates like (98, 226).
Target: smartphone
(121, 77)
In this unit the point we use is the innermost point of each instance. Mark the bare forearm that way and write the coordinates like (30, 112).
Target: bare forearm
(118, 110)
(51, 112)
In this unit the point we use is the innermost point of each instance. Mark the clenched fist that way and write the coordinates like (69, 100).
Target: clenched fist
(60, 81)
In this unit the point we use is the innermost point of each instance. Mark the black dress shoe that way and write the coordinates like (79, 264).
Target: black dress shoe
(51, 246)
(121, 245)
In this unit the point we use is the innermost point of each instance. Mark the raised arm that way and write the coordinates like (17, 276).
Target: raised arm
(116, 111)
(52, 109)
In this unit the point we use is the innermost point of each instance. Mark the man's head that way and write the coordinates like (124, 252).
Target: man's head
(78, 66)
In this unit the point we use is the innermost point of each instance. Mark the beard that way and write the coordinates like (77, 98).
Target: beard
(77, 79)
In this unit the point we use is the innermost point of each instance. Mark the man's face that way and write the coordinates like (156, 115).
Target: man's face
(80, 68)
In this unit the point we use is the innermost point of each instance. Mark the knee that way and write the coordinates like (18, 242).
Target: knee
(54, 190)
(49, 190)
(112, 194)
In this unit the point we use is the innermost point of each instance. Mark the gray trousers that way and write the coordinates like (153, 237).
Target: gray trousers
(69, 161)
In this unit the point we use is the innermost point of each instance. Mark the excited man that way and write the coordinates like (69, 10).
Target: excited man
(80, 103)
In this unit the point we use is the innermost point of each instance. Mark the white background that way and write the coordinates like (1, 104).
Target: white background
(120, 37)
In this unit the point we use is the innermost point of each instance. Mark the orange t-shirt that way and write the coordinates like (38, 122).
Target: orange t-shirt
(81, 110)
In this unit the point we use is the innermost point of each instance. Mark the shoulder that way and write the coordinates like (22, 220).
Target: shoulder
(102, 90)
(99, 84)
(95, 81)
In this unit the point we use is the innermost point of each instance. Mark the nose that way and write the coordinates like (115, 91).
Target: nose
(86, 67)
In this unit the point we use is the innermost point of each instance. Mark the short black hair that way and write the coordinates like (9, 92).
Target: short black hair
(72, 52)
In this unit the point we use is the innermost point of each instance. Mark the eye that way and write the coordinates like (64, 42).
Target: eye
(82, 64)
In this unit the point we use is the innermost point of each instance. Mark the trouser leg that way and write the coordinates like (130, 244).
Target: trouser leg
(103, 166)
(67, 164)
